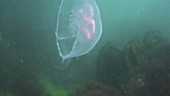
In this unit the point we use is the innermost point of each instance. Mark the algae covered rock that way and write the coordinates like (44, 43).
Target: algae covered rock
(137, 61)
(152, 39)
(157, 74)
(6, 94)
(135, 58)
(111, 68)
(137, 86)
(96, 89)
(52, 89)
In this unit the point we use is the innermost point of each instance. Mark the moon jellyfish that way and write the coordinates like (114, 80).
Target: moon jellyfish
(79, 27)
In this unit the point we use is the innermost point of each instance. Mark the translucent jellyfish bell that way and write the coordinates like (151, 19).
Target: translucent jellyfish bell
(79, 27)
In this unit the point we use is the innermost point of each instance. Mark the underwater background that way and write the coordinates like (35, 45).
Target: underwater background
(132, 58)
